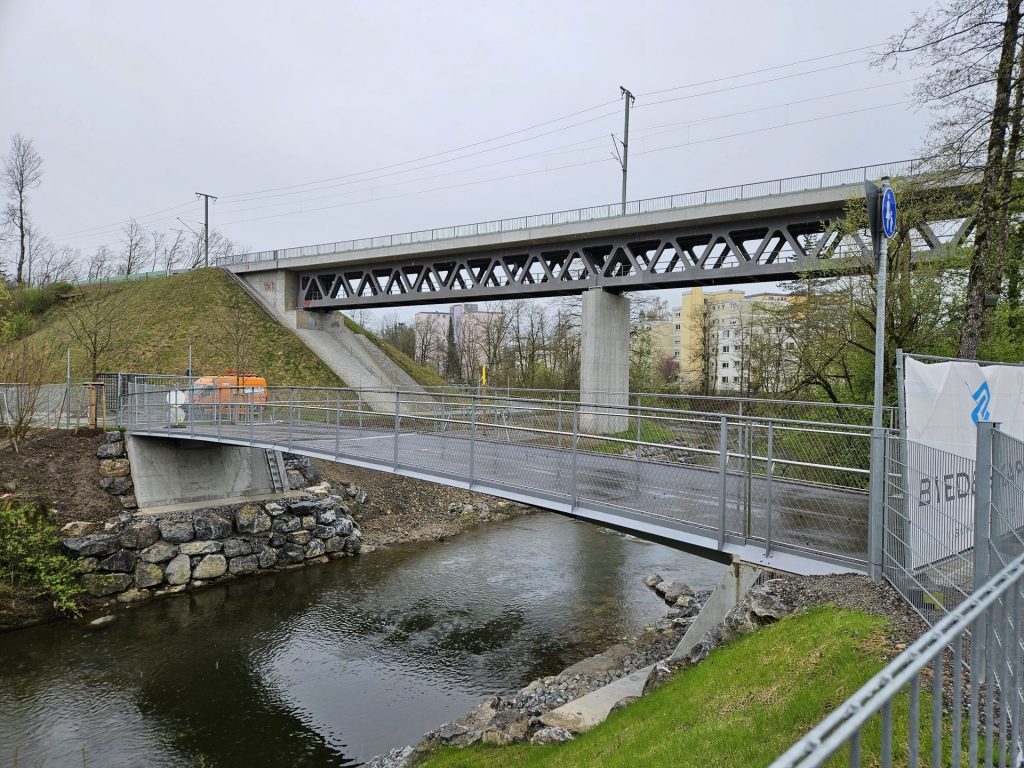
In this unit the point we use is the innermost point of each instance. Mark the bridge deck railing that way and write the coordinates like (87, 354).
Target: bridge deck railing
(808, 182)
(792, 484)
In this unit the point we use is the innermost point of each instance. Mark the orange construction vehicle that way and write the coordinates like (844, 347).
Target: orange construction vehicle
(235, 396)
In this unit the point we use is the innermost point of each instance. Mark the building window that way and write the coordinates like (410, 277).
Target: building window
(677, 326)
(736, 379)
(725, 349)
(732, 322)
(724, 334)
(725, 379)
(725, 364)
(676, 353)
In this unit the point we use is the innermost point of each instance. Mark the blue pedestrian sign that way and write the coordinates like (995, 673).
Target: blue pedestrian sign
(889, 212)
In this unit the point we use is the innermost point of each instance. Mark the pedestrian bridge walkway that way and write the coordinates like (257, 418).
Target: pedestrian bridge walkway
(788, 493)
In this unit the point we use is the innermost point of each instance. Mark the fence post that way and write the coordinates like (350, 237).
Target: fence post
(398, 420)
(723, 465)
(472, 440)
(982, 502)
(216, 414)
(291, 415)
(768, 473)
(337, 422)
(575, 442)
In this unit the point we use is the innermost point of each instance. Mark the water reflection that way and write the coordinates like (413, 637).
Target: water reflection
(327, 666)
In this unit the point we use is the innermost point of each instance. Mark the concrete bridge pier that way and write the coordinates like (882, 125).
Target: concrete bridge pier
(604, 363)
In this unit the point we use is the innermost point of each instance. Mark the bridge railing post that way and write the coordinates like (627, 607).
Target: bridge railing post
(337, 422)
(723, 477)
(291, 415)
(575, 444)
(769, 468)
(559, 410)
(472, 440)
(398, 424)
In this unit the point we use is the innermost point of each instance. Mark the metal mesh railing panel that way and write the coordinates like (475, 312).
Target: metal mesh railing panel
(1007, 532)
(928, 541)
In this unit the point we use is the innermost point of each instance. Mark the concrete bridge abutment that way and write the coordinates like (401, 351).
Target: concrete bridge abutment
(604, 363)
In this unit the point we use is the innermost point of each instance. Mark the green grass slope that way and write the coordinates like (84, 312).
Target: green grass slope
(419, 373)
(159, 318)
(744, 705)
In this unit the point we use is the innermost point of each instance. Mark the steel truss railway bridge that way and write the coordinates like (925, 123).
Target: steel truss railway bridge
(780, 484)
(762, 232)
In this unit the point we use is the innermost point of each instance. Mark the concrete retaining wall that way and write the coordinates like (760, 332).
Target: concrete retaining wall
(184, 471)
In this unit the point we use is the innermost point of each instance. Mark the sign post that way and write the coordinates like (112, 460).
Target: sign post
(882, 222)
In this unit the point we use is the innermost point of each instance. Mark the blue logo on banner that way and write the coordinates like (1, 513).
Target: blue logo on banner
(982, 397)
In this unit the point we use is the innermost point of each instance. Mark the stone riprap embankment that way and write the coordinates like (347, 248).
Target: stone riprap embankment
(137, 556)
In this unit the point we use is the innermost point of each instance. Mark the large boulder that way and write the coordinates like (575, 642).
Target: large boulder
(122, 561)
(159, 552)
(551, 735)
(300, 537)
(326, 516)
(322, 531)
(148, 575)
(675, 590)
(292, 553)
(315, 548)
(211, 525)
(200, 547)
(140, 534)
(110, 450)
(210, 567)
(179, 570)
(303, 507)
(252, 519)
(334, 544)
(237, 547)
(102, 584)
(267, 558)
(94, 544)
(244, 564)
(116, 485)
(114, 468)
(286, 523)
(354, 542)
(344, 526)
(177, 531)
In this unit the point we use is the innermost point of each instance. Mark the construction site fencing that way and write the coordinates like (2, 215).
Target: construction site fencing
(47, 405)
(781, 483)
(954, 549)
(954, 697)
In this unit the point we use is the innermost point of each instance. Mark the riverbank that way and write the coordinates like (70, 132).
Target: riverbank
(400, 509)
(836, 632)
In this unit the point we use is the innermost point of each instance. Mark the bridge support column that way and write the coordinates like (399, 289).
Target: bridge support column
(604, 363)
(278, 290)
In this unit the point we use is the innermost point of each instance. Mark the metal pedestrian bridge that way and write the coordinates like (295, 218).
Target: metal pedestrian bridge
(783, 485)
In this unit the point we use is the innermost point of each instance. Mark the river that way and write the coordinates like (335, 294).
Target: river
(329, 665)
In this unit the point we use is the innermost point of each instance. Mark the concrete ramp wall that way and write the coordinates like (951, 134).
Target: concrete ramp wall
(167, 471)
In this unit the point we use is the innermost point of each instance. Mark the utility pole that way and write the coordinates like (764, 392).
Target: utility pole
(623, 158)
(206, 225)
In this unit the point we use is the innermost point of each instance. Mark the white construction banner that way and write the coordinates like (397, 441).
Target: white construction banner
(944, 403)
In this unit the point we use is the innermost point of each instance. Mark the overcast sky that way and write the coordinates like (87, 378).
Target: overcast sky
(297, 114)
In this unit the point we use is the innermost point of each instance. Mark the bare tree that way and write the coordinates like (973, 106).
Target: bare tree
(704, 354)
(425, 345)
(93, 320)
(99, 264)
(23, 168)
(50, 263)
(134, 255)
(29, 363)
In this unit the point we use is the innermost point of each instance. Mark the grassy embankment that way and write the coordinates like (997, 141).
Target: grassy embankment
(742, 706)
(160, 317)
(419, 373)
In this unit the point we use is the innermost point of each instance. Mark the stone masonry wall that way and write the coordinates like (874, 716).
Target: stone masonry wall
(138, 556)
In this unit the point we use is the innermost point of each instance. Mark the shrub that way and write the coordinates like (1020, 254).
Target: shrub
(30, 558)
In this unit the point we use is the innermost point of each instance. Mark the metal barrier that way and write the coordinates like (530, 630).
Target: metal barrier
(787, 485)
(953, 697)
(755, 190)
(954, 549)
(51, 405)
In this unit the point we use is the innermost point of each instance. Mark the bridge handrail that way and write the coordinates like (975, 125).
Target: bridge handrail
(758, 189)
